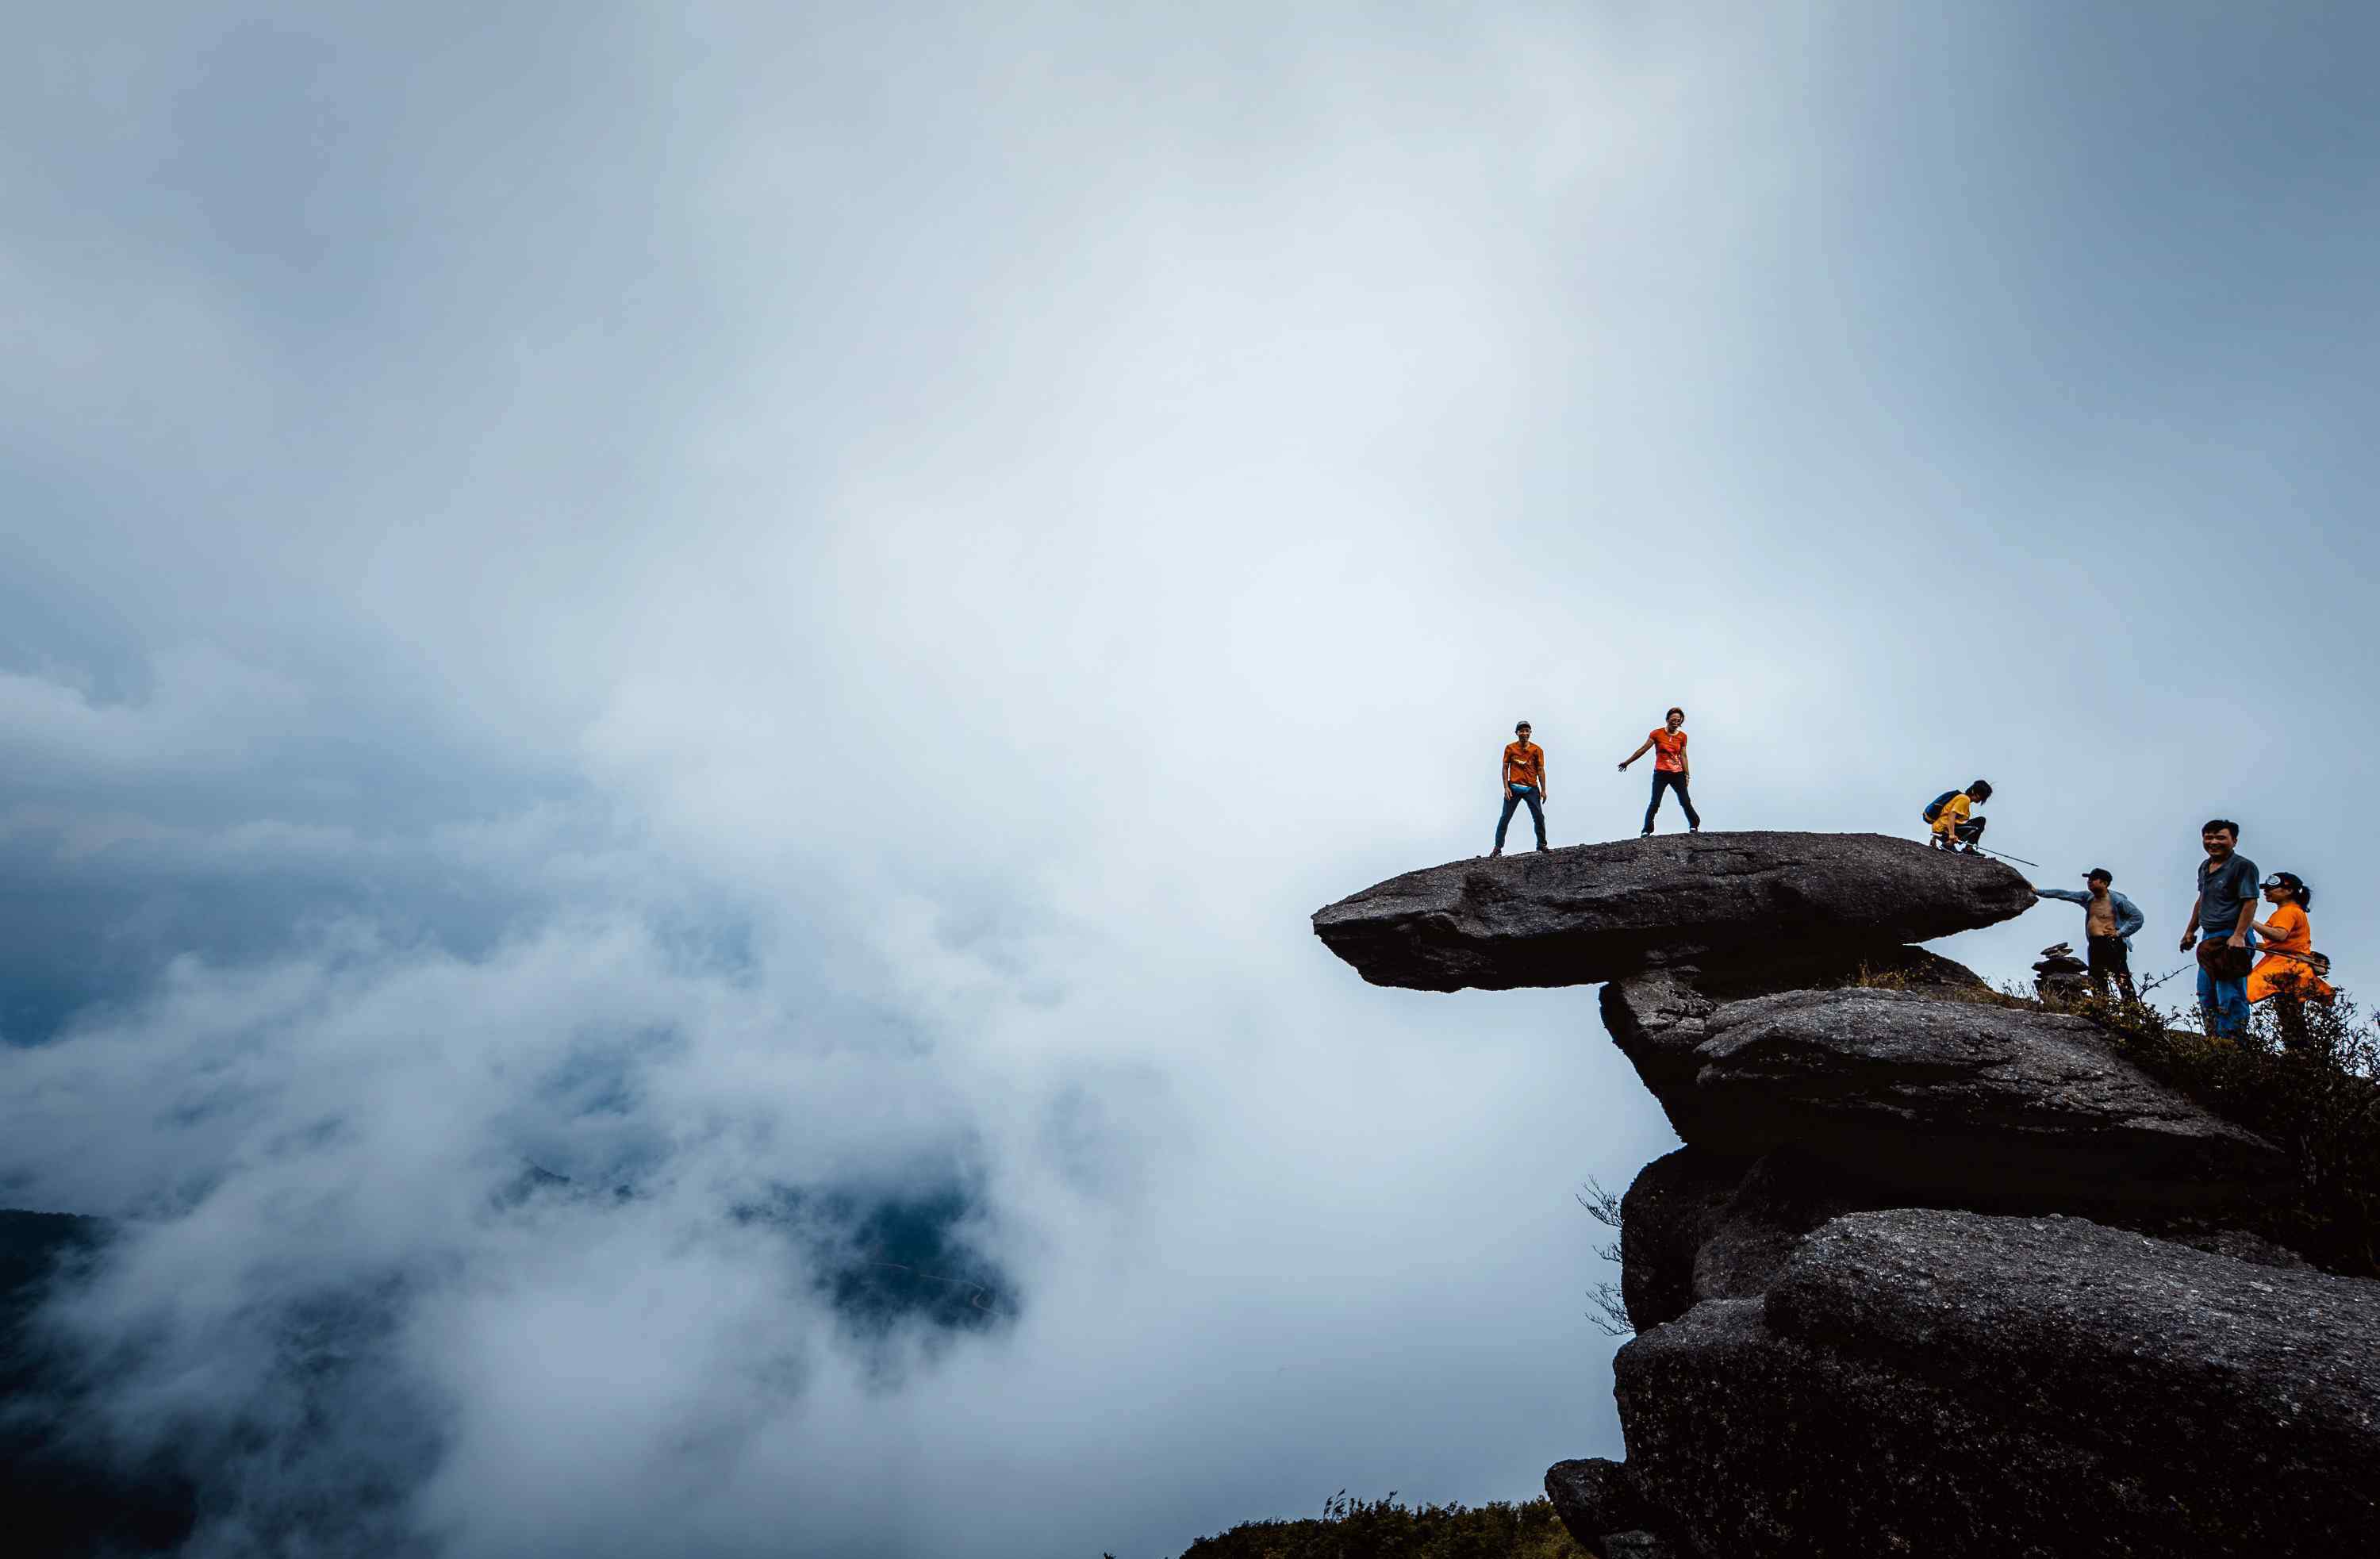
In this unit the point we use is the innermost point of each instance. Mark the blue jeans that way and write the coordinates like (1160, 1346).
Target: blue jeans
(2225, 1001)
(1663, 779)
(1516, 794)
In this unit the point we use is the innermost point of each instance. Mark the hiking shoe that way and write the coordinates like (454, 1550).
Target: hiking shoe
(1494, 853)
(1646, 835)
(1543, 846)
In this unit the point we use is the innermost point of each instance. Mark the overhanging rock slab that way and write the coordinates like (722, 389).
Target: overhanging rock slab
(1597, 912)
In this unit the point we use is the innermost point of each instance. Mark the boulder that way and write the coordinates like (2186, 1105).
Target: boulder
(1696, 1224)
(1659, 1021)
(1659, 1018)
(1781, 1198)
(1667, 1215)
(1950, 1383)
(1596, 1502)
(1597, 912)
(1983, 1105)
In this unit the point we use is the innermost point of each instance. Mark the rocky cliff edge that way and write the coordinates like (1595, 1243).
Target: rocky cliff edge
(1936, 1273)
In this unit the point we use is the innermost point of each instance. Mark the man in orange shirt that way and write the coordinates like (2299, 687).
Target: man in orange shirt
(1525, 780)
(1670, 770)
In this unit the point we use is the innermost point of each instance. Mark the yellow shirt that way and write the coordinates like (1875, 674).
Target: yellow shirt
(1953, 813)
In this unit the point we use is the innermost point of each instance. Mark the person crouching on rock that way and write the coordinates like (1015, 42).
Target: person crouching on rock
(1525, 780)
(2285, 975)
(1670, 769)
(2108, 922)
(2227, 907)
(1951, 817)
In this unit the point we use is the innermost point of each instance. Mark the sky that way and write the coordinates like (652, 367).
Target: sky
(763, 614)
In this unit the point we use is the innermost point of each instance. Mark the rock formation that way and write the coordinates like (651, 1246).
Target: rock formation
(1945, 1383)
(1937, 1272)
(1985, 1104)
(1596, 912)
(2059, 976)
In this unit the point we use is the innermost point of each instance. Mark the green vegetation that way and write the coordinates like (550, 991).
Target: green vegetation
(1382, 1529)
(2319, 1100)
(1609, 1305)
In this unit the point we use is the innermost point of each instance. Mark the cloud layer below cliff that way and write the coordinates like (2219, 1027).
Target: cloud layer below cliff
(782, 618)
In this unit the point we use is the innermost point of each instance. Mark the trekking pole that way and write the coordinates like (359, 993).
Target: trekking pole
(2019, 860)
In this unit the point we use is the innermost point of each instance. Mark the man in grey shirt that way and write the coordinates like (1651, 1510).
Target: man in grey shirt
(2226, 908)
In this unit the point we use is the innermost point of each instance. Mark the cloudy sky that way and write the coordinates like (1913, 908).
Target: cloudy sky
(782, 612)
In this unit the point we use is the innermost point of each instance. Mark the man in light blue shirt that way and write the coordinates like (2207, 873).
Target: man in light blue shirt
(2108, 922)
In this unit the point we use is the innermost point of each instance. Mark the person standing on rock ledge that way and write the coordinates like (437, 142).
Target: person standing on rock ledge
(1525, 780)
(2108, 922)
(1670, 769)
(2227, 908)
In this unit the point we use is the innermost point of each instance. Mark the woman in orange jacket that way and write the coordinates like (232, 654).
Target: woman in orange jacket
(2288, 969)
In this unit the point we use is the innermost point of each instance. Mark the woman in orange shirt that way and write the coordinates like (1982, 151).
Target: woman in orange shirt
(1671, 769)
(2288, 969)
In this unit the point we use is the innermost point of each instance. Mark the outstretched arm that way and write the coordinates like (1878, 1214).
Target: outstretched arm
(2072, 896)
(1641, 750)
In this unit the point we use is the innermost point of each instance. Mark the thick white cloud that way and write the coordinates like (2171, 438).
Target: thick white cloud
(736, 599)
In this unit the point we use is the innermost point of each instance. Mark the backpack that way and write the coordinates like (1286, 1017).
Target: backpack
(1934, 807)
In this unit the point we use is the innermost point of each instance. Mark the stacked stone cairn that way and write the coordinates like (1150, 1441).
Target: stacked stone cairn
(1935, 1272)
(2060, 976)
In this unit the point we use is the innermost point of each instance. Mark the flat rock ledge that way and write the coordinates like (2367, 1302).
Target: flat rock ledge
(1950, 1384)
(1596, 912)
